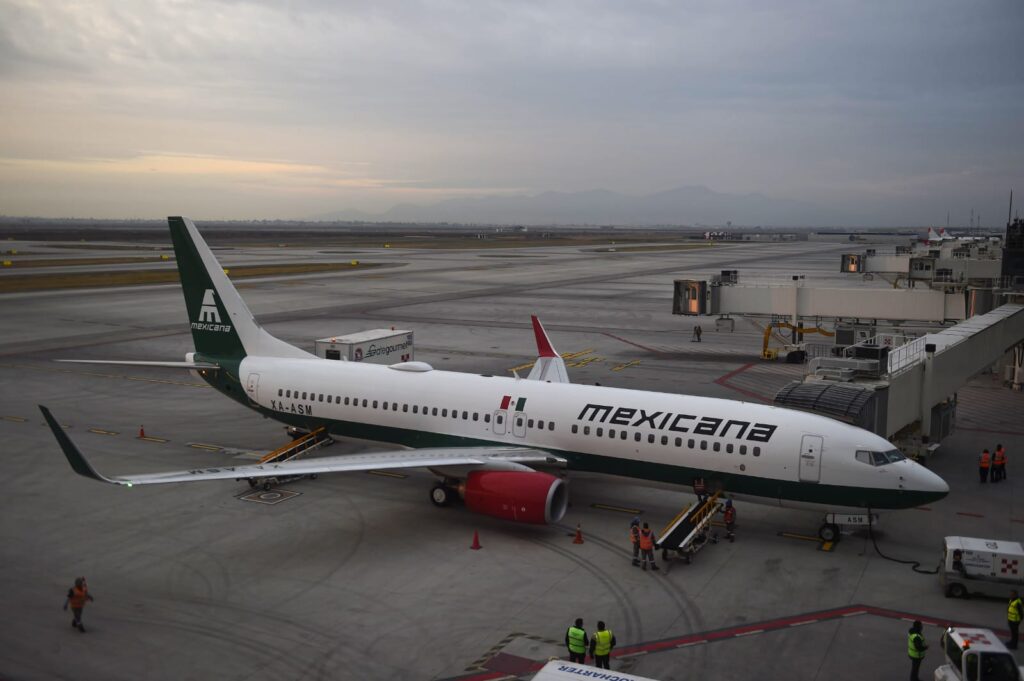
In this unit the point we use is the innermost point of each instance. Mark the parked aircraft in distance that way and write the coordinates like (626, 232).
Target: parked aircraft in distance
(503, 444)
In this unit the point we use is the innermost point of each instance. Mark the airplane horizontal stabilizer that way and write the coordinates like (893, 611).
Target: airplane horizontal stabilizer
(131, 363)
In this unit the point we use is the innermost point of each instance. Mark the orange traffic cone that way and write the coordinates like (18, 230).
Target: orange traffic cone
(476, 541)
(578, 539)
(142, 432)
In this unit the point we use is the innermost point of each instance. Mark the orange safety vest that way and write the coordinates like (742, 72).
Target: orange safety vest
(984, 460)
(1000, 458)
(634, 534)
(77, 597)
(730, 515)
(646, 540)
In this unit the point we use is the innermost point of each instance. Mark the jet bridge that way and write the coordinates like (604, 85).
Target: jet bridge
(794, 300)
(907, 392)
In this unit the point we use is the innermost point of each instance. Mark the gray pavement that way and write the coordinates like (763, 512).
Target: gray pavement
(359, 576)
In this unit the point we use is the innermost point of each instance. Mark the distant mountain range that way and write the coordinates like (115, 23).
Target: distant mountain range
(681, 206)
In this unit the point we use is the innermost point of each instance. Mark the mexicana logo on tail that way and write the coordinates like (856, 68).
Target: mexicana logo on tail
(209, 315)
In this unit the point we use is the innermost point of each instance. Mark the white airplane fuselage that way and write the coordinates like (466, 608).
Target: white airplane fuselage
(751, 451)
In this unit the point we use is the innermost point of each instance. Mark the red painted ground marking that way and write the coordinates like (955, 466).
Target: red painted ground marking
(629, 342)
(724, 382)
(991, 430)
(970, 515)
(755, 628)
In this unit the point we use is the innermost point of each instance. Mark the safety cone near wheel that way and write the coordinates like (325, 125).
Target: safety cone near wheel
(578, 539)
(142, 432)
(476, 541)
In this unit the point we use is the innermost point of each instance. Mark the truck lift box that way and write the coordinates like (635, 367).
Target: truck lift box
(988, 566)
(380, 346)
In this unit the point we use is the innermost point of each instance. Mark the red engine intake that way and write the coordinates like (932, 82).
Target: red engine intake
(538, 498)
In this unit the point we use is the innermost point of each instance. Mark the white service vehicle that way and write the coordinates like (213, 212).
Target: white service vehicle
(985, 566)
(976, 655)
(380, 346)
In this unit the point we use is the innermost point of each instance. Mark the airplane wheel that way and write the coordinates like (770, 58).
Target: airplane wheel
(313, 476)
(441, 495)
(252, 483)
(266, 487)
(829, 532)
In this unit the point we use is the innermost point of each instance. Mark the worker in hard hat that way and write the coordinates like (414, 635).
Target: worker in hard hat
(729, 516)
(634, 538)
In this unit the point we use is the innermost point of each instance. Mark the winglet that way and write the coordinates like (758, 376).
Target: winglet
(71, 451)
(544, 347)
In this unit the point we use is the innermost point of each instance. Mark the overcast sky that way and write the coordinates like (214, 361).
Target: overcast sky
(903, 110)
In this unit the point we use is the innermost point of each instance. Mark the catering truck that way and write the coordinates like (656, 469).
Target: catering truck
(380, 346)
(985, 566)
(976, 655)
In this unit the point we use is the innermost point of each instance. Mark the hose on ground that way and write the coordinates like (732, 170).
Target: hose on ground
(915, 565)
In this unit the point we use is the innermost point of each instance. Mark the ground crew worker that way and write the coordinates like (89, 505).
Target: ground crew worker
(647, 540)
(601, 644)
(634, 537)
(697, 332)
(916, 648)
(730, 520)
(1013, 616)
(77, 596)
(984, 461)
(999, 464)
(576, 642)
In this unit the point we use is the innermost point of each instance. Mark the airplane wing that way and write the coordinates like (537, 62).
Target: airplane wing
(549, 367)
(165, 365)
(504, 457)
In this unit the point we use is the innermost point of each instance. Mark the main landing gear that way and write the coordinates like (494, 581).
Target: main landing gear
(443, 494)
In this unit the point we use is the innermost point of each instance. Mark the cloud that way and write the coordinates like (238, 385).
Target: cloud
(796, 99)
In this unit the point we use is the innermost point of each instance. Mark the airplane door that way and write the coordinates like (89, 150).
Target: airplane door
(810, 458)
(519, 424)
(252, 387)
(499, 421)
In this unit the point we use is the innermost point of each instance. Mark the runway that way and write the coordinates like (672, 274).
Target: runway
(359, 576)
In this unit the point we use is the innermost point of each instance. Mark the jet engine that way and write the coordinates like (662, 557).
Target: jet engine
(525, 497)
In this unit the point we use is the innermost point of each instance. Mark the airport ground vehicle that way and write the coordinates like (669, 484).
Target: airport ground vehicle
(976, 655)
(380, 346)
(983, 566)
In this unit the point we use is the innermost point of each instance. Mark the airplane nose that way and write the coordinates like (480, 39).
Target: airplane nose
(932, 484)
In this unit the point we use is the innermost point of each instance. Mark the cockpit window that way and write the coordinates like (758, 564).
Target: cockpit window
(895, 455)
(879, 458)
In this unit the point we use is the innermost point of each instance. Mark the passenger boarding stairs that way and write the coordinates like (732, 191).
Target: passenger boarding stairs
(688, 532)
(301, 446)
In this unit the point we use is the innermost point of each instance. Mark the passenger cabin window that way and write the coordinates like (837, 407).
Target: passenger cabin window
(664, 439)
(757, 451)
(280, 392)
(575, 428)
(365, 402)
(703, 445)
(600, 432)
(330, 399)
(476, 416)
(303, 394)
(650, 439)
(288, 393)
(717, 446)
(529, 424)
(487, 418)
(636, 436)
(586, 430)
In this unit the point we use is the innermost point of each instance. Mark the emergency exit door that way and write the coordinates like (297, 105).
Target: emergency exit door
(810, 458)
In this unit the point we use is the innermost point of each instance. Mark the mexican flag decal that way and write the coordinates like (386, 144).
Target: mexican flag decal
(507, 400)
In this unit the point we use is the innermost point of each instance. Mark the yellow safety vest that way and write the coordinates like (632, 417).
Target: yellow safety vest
(1013, 613)
(604, 642)
(912, 650)
(576, 638)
